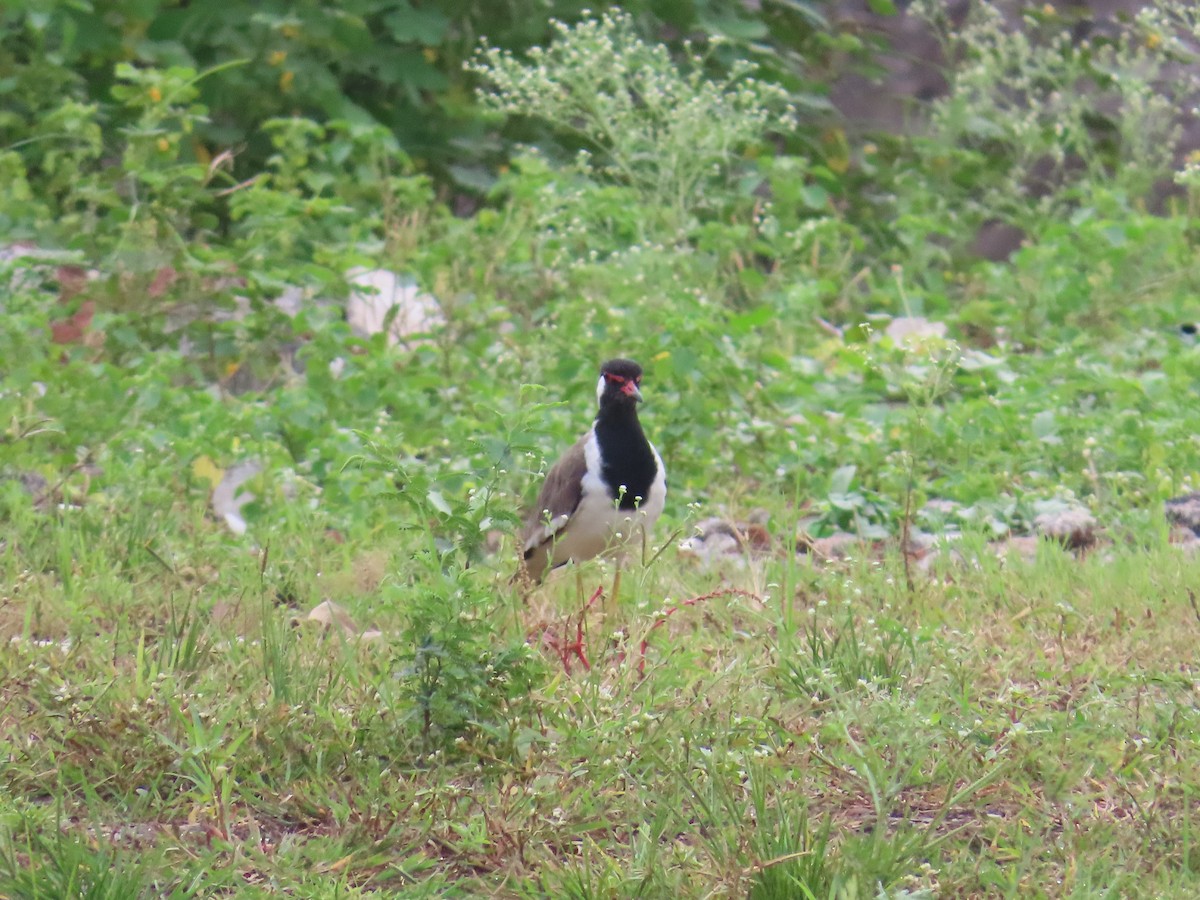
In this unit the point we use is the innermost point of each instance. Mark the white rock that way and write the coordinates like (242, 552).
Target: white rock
(913, 329)
(377, 293)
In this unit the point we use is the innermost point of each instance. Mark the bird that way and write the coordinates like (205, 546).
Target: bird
(604, 492)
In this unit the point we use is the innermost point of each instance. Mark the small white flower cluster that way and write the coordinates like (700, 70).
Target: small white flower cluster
(665, 130)
(1189, 175)
(1029, 91)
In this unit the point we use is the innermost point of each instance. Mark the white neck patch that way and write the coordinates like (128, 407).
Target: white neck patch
(599, 390)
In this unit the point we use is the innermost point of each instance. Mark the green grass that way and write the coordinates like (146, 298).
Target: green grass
(767, 727)
(173, 725)
(1011, 731)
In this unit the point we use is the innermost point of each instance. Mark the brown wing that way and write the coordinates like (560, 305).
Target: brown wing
(558, 498)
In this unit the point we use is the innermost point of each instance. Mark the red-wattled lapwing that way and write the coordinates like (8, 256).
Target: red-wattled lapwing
(607, 490)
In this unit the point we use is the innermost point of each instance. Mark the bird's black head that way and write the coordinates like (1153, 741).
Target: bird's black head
(619, 383)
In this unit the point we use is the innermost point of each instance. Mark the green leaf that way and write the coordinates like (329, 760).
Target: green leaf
(748, 321)
(438, 502)
(807, 10)
(846, 502)
(422, 26)
(736, 29)
(1045, 427)
(814, 196)
(842, 478)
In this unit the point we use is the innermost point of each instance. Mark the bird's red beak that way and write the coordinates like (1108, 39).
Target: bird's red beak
(630, 389)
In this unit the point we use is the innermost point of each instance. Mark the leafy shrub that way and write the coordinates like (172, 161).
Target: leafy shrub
(461, 666)
(391, 63)
(1036, 121)
(668, 132)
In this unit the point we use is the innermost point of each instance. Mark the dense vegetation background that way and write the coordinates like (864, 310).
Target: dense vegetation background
(201, 443)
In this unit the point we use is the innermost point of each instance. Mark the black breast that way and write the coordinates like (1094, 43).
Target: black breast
(626, 458)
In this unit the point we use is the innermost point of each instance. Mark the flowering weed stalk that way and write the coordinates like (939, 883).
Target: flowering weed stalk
(663, 128)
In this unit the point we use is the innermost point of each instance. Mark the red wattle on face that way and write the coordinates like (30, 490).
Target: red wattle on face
(628, 387)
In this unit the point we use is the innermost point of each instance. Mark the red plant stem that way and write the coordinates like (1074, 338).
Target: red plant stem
(578, 645)
(592, 600)
(575, 648)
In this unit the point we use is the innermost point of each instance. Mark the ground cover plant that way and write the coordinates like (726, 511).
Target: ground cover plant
(257, 632)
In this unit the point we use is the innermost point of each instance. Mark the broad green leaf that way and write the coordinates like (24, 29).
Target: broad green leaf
(842, 478)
